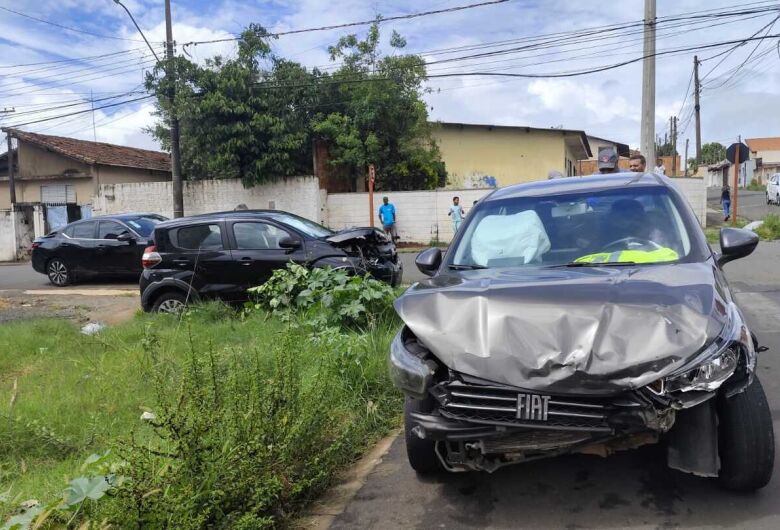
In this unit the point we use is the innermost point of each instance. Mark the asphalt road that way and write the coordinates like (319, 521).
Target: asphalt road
(634, 489)
(751, 204)
(21, 276)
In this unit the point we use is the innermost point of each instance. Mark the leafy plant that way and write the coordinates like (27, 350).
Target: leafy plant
(770, 228)
(326, 296)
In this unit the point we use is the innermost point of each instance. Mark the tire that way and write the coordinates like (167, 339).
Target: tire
(746, 440)
(58, 272)
(420, 453)
(172, 302)
(777, 199)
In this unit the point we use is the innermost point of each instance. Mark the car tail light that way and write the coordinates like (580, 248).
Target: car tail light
(35, 245)
(151, 257)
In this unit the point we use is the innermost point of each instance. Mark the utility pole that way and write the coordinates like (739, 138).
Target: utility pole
(648, 84)
(697, 108)
(686, 157)
(11, 181)
(178, 197)
(674, 146)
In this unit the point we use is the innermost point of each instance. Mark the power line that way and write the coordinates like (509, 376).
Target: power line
(68, 28)
(746, 60)
(73, 59)
(80, 112)
(352, 24)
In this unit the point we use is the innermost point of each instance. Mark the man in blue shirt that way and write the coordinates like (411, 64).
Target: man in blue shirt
(387, 218)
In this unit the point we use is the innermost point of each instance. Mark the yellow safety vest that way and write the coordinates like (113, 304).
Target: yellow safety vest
(637, 256)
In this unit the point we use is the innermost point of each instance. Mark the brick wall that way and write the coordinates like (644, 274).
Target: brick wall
(422, 215)
(299, 195)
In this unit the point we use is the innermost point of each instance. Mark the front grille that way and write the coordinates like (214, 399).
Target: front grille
(497, 405)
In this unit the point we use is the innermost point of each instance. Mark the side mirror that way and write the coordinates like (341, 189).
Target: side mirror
(125, 237)
(736, 243)
(290, 243)
(428, 261)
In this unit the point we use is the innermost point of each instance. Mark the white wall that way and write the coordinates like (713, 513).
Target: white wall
(299, 195)
(422, 215)
(7, 236)
(695, 191)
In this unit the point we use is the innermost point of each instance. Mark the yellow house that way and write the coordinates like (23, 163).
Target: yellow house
(499, 155)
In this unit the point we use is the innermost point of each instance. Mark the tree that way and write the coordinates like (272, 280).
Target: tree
(376, 115)
(712, 153)
(235, 120)
(255, 116)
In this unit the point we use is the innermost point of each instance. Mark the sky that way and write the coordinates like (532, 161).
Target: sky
(47, 71)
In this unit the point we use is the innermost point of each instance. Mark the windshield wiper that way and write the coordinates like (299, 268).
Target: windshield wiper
(592, 264)
(466, 267)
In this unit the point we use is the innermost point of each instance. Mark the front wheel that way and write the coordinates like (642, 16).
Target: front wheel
(746, 440)
(420, 453)
(58, 272)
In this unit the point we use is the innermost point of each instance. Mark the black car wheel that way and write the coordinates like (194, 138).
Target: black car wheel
(747, 441)
(421, 453)
(170, 302)
(58, 272)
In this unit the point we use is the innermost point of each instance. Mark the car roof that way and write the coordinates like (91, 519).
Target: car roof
(562, 186)
(223, 216)
(117, 217)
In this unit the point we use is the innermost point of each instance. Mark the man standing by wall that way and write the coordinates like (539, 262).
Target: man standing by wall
(456, 213)
(660, 169)
(387, 218)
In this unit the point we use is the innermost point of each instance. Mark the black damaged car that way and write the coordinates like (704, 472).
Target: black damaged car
(221, 255)
(582, 315)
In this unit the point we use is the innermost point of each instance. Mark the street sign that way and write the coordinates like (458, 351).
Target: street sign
(731, 152)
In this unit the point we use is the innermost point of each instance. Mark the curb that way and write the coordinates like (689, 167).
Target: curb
(323, 512)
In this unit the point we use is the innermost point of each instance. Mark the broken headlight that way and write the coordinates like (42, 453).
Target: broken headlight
(410, 371)
(718, 361)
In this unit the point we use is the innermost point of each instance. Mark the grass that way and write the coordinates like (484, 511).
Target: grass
(64, 396)
(756, 186)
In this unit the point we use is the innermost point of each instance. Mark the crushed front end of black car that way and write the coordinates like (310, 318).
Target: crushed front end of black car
(370, 251)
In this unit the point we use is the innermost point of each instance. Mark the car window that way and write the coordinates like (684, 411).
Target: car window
(257, 236)
(310, 228)
(144, 226)
(81, 231)
(110, 230)
(205, 237)
(638, 224)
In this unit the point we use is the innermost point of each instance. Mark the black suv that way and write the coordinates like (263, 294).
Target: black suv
(221, 255)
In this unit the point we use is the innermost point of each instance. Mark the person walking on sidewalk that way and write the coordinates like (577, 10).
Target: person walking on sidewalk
(456, 213)
(725, 200)
(387, 218)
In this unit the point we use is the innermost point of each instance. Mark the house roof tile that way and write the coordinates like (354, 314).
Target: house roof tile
(764, 144)
(96, 152)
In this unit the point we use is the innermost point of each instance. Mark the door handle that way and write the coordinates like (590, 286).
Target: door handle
(245, 261)
(181, 262)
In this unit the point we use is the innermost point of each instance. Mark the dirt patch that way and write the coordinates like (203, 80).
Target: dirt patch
(109, 306)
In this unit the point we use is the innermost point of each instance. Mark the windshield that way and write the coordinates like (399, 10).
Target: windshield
(144, 226)
(310, 228)
(628, 226)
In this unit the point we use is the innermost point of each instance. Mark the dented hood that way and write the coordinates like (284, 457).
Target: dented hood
(351, 235)
(572, 330)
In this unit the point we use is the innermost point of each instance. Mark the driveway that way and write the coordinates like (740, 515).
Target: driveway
(628, 490)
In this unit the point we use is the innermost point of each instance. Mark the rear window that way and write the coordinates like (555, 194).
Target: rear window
(144, 226)
(198, 237)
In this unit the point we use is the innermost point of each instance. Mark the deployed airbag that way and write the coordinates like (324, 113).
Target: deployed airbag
(500, 237)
